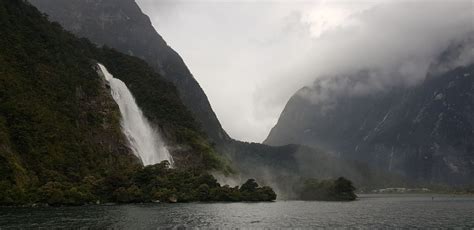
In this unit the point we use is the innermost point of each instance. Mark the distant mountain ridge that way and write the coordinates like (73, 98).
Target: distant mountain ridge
(425, 132)
(120, 24)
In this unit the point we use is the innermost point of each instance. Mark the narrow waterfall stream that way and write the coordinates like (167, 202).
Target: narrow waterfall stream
(145, 142)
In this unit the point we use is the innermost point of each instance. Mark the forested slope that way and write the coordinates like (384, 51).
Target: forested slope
(58, 122)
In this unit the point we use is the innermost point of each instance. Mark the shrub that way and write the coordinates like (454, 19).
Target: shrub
(339, 189)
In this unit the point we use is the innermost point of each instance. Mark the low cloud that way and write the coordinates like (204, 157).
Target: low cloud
(251, 56)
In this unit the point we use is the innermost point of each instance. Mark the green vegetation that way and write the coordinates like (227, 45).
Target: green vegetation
(159, 182)
(149, 184)
(160, 102)
(57, 121)
(59, 127)
(340, 189)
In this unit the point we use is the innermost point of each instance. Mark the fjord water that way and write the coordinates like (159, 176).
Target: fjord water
(145, 142)
(369, 211)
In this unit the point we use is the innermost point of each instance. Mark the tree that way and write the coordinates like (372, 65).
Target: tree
(249, 186)
(339, 189)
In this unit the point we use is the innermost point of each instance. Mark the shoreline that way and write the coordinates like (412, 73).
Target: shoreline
(359, 197)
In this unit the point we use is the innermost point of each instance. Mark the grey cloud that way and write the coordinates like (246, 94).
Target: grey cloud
(251, 56)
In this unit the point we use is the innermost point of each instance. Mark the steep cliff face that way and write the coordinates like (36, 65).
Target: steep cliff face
(425, 132)
(60, 127)
(58, 121)
(120, 24)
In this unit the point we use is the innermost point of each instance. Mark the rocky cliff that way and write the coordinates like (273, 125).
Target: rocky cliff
(425, 132)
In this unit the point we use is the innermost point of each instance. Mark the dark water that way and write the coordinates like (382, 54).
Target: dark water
(370, 211)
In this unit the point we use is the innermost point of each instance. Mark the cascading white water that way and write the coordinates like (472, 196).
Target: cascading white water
(145, 142)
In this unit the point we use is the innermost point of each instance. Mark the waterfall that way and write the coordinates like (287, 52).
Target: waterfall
(145, 142)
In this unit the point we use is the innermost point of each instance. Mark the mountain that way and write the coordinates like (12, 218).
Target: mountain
(120, 24)
(424, 132)
(58, 120)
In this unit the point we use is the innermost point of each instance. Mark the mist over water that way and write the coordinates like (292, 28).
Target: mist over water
(145, 142)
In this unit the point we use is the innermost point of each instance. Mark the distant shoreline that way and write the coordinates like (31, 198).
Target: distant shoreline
(443, 194)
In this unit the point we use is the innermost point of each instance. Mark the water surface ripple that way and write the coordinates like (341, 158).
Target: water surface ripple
(370, 211)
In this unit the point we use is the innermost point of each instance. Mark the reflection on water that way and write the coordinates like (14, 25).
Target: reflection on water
(375, 211)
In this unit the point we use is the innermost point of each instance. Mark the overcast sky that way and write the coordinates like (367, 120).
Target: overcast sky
(251, 56)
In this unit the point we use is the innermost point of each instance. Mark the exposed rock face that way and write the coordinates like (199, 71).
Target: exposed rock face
(425, 132)
(120, 24)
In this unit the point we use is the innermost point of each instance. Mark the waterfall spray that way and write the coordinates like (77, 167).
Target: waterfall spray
(145, 142)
